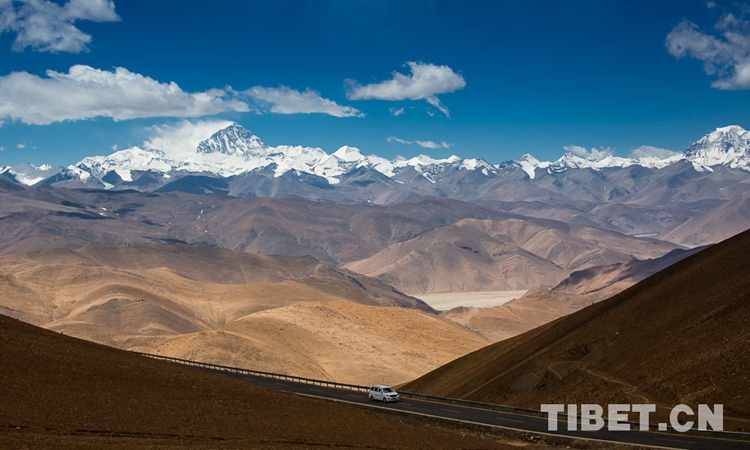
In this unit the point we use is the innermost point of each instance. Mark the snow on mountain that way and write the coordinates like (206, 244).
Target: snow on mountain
(124, 161)
(233, 140)
(30, 174)
(727, 146)
(571, 161)
(529, 164)
(235, 150)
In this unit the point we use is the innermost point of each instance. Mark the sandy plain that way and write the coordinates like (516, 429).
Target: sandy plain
(444, 301)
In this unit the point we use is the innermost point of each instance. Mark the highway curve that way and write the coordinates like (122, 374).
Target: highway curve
(499, 419)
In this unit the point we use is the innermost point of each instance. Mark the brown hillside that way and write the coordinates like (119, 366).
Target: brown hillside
(680, 336)
(509, 246)
(281, 314)
(602, 282)
(725, 220)
(536, 308)
(486, 255)
(63, 393)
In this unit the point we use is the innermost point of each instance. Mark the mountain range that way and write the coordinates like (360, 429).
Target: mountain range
(424, 245)
(636, 196)
(235, 150)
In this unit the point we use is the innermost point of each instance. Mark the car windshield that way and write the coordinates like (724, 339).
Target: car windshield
(387, 389)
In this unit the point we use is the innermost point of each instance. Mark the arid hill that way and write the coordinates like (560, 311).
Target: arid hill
(680, 336)
(536, 308)
(63, 393)
(282, 314)
(541, 305)
(494, 255)
(725, 220)
(602, 282)
(423, 241)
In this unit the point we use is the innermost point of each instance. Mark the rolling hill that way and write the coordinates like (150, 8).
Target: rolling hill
(282, 314)
(378, 236)
(494, 255)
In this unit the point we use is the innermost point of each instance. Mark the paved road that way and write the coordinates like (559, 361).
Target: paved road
(501, 419)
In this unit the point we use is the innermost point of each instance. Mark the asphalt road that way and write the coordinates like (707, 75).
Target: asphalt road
(501, 419)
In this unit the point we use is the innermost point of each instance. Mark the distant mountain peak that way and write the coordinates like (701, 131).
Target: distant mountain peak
(727, 146)
(233, 140)
(347, 153)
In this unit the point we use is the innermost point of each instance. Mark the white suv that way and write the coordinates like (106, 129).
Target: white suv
(383, 393)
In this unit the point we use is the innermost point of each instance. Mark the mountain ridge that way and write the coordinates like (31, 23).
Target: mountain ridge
(677, 337)
(727, 146)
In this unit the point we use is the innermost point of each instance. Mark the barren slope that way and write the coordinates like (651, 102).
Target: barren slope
(725, 220)
(422, 245)
(284, 314)
(602, 282)
(493, 255)
(536, 308)
(63, 393)
(680, 336)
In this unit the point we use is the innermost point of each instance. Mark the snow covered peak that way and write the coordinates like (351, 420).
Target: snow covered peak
(727, 146)
(233, 140)
(123, 161)
(572, 161)
(30, 174)
(349, 154)
(529, 164)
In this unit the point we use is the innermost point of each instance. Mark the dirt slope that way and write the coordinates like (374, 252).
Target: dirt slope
(602, 282)
(680, 336)
(63, 393)
(536, 308)
(282, 314)
(493, 255)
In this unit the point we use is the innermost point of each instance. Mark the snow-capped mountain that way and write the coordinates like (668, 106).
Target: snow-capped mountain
(234, 140)
(235, 151)
(30, 174)
(647, 196)
(727, 146)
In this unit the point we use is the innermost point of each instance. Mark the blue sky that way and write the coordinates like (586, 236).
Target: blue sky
(483, 79)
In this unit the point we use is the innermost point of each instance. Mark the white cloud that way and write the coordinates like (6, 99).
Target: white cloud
(400, 141)
(183, 137)
(396, 112)
(48, 27)
(21, 146)
(2, 148)
(424, 83)
(647, 151)
(593, 154)
(727, 56)
(423, 144)
(433, 144)
(85, 93)
(284, 100)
